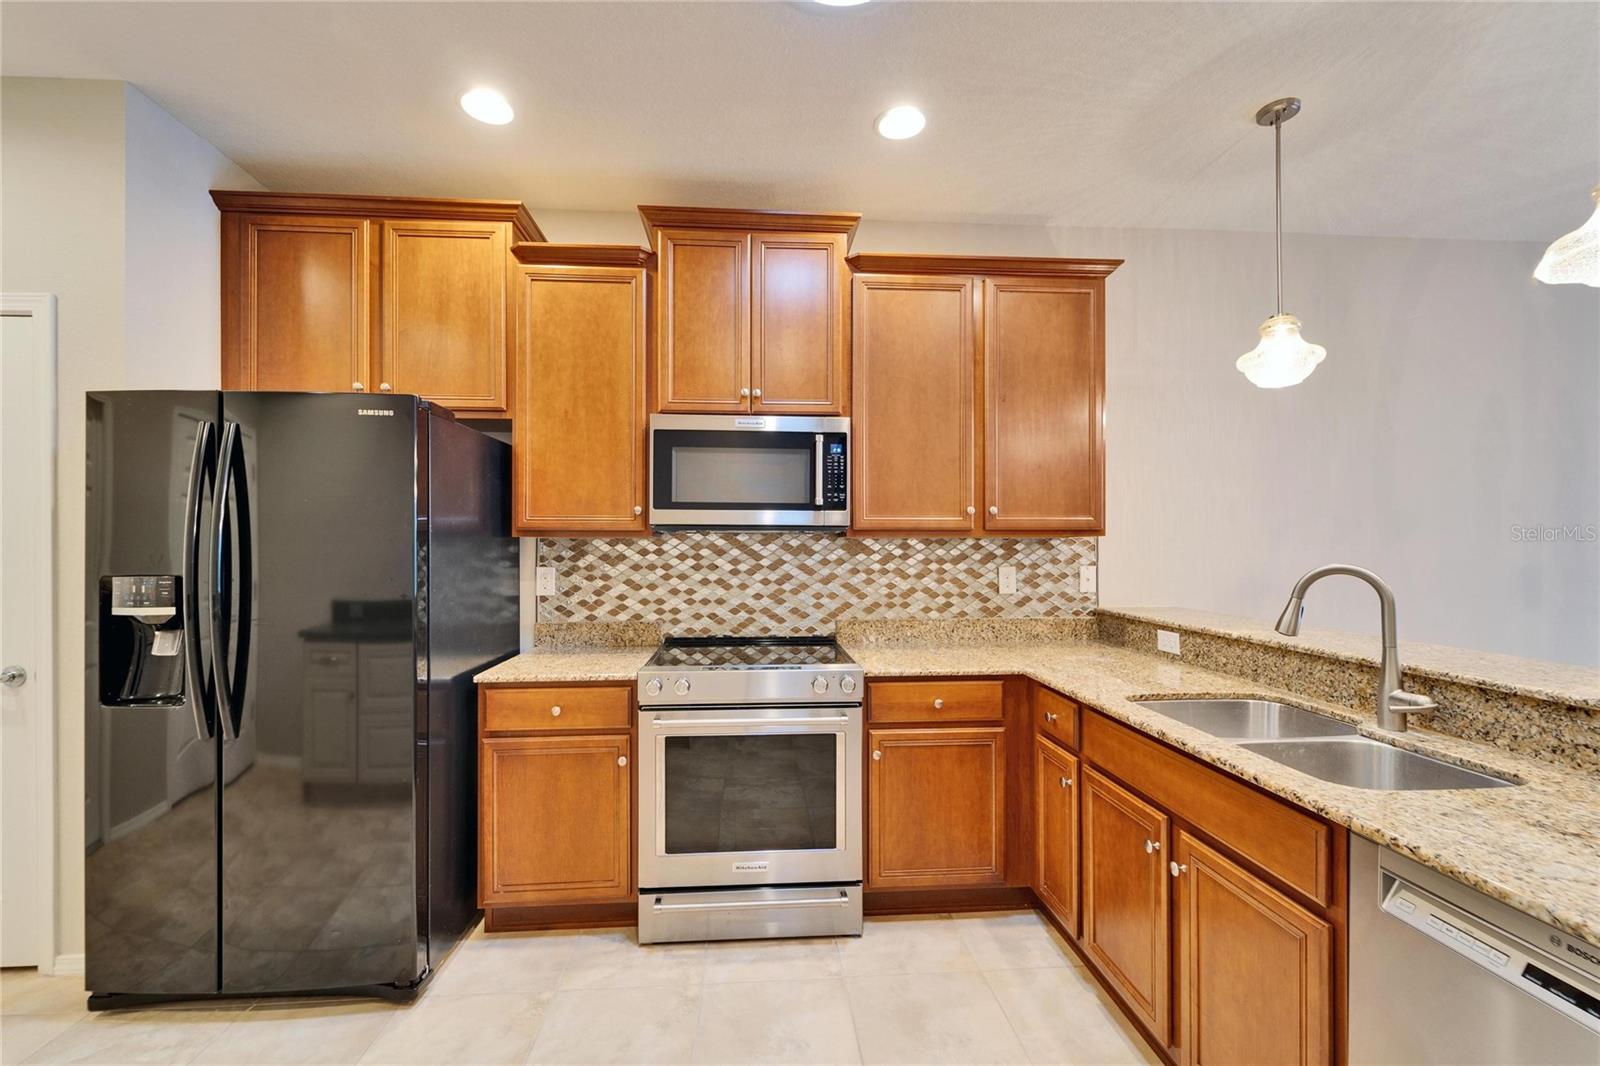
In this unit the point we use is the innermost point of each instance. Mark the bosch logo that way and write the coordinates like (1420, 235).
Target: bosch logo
(1587, 956)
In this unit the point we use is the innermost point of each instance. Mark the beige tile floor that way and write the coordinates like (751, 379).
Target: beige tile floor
(965, 989)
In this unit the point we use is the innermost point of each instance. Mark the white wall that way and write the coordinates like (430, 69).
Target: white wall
(103, 202)
(1459, 399)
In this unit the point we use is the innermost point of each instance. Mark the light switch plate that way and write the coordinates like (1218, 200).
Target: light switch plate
(1088, 578)
(544, 581)
(1008, 579)
(1167, 641)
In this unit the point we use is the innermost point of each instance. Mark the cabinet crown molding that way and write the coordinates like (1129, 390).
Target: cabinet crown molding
(546, 254)
(1006, 265)
(451, 208)
(747, 219)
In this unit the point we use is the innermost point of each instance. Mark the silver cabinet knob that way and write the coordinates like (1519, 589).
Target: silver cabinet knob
(1066, 782)
(385, 387)
(1050, 716)
(637, 510)
(937, 703)
(555, 711)
(848, 684)
(1151, 846)
(681, 686)
(13, 676)
(877, 755)
(358, 386)
(1177, 867)
(744, 392)
(653, 686)
(971, 509)
(994, 510)
(756, 393)
(622, 760)
(819, 685)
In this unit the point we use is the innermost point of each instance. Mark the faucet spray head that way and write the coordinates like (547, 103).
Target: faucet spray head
(1289, 620)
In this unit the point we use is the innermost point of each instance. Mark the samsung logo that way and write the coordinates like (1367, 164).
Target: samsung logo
(376, 412)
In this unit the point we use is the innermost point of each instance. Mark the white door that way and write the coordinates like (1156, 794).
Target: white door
(27, 733)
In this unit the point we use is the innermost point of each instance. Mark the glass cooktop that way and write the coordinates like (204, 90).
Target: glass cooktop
(748, 653)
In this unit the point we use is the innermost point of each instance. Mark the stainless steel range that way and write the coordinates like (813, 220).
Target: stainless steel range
(749, 790)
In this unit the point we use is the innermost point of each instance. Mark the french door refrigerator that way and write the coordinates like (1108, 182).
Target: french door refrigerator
(287, 597)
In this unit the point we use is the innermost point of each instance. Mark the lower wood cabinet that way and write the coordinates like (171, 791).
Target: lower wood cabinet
(1254, 967)
(1056, 789)
(1127, 896)
(937, 807)
(553, 819)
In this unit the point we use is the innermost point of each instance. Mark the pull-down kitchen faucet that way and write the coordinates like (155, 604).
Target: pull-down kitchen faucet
(1393, 702)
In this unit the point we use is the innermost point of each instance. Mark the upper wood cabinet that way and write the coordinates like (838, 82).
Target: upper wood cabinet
(979, 400)
(369, 294)
(751, 312)
(578, 457)
(936, 800)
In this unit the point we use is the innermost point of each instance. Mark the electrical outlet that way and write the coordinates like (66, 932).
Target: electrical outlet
(544, 581)
(1167, 641)
(1088, 578)
(1008, 579)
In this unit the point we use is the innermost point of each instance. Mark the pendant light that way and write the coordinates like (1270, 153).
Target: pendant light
(1575, 258)
(1283, 357)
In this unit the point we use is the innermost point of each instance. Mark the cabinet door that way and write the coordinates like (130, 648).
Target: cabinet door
(913, 413)
(579, 421)
(553, 820)
(1126, 896)
(1043, 403)
(385, 712)
(1254, 968)
(937, 802)
(444, 313)
(703, 322)
(296, 303)
(797, 322)
(1056, 806)
(328, 729)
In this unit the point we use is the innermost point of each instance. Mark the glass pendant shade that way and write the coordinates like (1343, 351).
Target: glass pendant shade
(1575, 258)
(1283, 357)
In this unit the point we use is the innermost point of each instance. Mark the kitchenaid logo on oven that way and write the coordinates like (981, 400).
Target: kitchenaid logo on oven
(749, 867)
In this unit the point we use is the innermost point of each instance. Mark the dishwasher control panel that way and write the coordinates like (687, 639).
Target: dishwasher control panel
(1572, 992)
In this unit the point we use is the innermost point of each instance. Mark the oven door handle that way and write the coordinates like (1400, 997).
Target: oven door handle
(670, 723)
(817, 495)
(843, 899)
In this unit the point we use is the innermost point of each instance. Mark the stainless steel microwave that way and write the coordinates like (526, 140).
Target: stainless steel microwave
(749, 472)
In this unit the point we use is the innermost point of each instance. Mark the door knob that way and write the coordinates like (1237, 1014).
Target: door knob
(937, 704)
(1177, 867)
(637, 509)
(1151, 846)
(756, 393)
(556, 711)
(385, 387)
(622, 760)
(13, 676)
(358, 386)
(994, 510)
(1066, 782)
(744, 392)
(972, 510)
(1050, 716)
(877, 755)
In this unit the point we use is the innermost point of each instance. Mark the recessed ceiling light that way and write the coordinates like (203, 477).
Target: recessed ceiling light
(487, 105)
(841, 3)
(901, 122)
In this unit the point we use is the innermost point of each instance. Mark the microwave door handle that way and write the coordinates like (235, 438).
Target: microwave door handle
(817, 484)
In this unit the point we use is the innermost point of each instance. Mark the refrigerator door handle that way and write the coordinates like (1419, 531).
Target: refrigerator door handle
(202, 473)
(230, 685)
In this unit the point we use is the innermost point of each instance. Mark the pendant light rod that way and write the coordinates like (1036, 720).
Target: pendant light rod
(1275, 115)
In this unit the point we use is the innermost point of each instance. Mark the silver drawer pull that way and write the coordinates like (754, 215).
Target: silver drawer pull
(841, 900)
(937, 704)
(556, 711)
(1050, 716)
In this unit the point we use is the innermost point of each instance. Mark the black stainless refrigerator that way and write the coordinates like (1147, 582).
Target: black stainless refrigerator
(288, 595)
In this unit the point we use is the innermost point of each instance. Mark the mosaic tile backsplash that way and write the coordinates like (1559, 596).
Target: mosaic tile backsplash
(693, 584)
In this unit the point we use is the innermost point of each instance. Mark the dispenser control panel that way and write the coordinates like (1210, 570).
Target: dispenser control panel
(153, 598)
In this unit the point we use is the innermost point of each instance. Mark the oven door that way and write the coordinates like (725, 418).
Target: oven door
(749, 471)
(749, 796)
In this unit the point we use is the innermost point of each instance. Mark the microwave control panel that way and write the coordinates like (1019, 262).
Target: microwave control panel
(835, 470)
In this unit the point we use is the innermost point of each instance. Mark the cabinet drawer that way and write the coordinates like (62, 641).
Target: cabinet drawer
(331, 660)
(515, 710)
(1294, 847)
(934, 701)
(1056, 716)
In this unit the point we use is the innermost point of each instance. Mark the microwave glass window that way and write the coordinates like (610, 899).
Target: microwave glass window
(765, 792)
(760, 477)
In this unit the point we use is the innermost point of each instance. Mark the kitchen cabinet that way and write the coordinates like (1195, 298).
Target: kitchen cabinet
(751, 314)
(356, 725)
(937, 807)
(1126, 897)
(1056, 789)
(579, 415)
(979, 394)
(1254, 967)
(369, 294)
(553, 819)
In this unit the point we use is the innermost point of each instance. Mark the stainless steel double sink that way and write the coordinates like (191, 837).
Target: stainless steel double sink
(1319, 745)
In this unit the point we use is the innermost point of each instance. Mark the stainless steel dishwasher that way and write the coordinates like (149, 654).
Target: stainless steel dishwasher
(1440, 973)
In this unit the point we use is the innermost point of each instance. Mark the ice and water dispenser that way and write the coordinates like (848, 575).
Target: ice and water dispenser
(141, 641)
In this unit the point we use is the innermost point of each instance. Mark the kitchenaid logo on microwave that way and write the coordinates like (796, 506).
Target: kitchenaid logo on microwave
(376, 412)
(748, 867)
(750, 423)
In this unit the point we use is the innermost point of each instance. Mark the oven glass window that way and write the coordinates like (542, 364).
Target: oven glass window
(751, 793)
(761, 477)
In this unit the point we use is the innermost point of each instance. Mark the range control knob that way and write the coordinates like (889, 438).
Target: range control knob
(848, 684)
(681, 686)
(819, 685)
(653, 687)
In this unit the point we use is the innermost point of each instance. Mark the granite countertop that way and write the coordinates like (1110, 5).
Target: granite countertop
(1535, 847)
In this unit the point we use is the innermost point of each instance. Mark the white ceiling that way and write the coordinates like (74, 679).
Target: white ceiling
(1421, 119)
